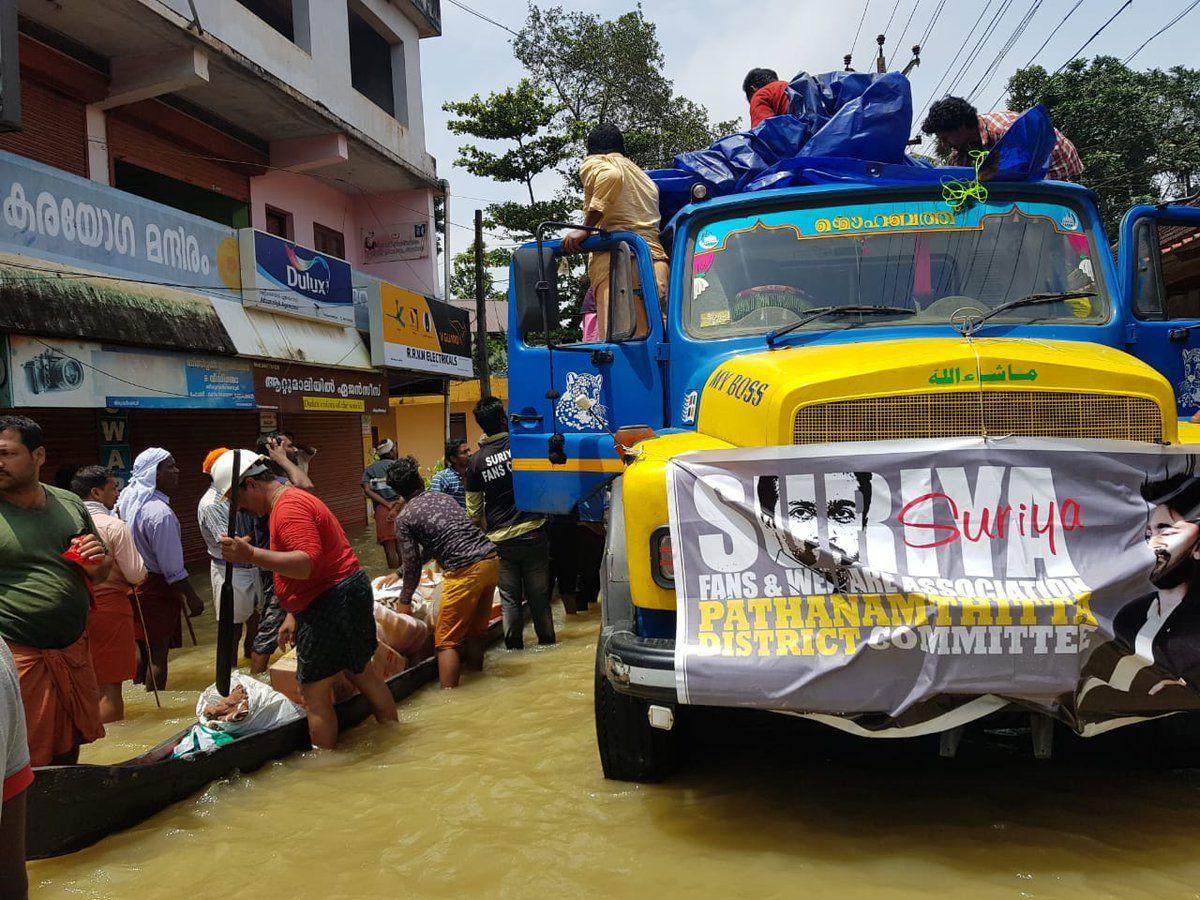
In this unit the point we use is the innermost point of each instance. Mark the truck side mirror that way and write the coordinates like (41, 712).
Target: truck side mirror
(537, 303)
(623, 313)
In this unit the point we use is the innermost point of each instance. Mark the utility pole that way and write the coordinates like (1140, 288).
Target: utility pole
(485, 379)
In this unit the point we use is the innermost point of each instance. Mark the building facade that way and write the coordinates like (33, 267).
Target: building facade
(197, 196)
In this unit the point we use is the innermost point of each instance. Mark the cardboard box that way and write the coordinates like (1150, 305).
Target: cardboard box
(387, 662)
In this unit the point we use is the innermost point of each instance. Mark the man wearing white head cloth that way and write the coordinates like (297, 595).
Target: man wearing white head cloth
(144, 505)
(385, 500)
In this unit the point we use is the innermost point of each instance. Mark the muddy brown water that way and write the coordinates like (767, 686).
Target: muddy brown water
(496, 790)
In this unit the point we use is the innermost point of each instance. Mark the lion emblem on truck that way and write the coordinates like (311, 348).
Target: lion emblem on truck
(1189, 386)
(580, 406)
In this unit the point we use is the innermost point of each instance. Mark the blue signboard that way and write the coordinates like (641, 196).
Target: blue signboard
(53, 372)
(52, 215)
(282, 276)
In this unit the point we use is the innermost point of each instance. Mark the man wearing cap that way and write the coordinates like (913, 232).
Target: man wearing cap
(375, 486)
(320, 584)
(212, 514)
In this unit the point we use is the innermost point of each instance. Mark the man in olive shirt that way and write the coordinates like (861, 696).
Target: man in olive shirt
(44, 597)
(520, 537)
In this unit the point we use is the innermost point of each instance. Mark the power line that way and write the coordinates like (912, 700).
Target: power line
(1087, 43)
(858, 30)
(937, 12)
(974, 52)
(1050, 36)
(999, 58)
(895, 7)
(477, 14)
(954, 59)
(1063, 21)
(1166, 27)
(912, 12)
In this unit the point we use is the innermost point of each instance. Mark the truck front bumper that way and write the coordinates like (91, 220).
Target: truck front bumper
(638, 666)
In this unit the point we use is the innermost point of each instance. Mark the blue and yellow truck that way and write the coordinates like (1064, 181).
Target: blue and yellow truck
(816, 313)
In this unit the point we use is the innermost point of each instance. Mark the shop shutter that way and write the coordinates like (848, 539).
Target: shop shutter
(337, 468)
(53, 130)
(131, 139)
(71, 436)
(189, 434)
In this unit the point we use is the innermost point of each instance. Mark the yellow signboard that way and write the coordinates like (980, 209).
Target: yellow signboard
(333, 404)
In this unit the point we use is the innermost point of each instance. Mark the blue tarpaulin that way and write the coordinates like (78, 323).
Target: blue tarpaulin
(848, 127)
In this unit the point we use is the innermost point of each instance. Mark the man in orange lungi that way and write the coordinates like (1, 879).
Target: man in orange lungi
(50, 555)
(110, 624)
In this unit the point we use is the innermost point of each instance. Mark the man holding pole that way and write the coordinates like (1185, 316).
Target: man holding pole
(212, 514)
(319, 583)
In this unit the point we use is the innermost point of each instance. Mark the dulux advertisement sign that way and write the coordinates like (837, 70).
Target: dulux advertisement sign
(283, 277)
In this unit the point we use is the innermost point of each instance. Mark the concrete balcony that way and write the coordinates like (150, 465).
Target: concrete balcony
(431, 12)
(287, 93)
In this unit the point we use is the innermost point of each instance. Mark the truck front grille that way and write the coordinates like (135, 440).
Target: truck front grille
(1051, 414)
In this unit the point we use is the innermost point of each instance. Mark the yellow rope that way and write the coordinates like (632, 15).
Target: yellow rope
(958, 194)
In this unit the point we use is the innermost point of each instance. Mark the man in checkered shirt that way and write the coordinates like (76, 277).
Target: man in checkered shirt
(960, 128)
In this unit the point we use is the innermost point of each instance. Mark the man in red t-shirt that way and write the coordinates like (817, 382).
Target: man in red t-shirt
(320, 585)
(766, 93)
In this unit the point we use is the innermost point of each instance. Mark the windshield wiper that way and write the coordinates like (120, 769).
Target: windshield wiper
(971, 325)
(822, 311)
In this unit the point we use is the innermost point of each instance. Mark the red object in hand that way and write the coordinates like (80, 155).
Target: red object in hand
(72, 554)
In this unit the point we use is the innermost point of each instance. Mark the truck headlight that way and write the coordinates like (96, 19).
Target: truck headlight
(662, 557)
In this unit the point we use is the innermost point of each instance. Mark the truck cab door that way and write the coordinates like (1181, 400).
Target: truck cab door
(1160, 279)
(567, 400)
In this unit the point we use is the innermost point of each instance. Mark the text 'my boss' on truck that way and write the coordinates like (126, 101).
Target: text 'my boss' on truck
(902, 448)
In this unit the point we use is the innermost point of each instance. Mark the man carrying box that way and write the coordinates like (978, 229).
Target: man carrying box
(320, 585)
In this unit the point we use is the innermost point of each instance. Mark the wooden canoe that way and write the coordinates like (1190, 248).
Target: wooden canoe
(72, 807)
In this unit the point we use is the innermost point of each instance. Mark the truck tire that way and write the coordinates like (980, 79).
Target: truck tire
(630, 749)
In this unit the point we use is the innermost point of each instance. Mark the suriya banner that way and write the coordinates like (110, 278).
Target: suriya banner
(922, 584)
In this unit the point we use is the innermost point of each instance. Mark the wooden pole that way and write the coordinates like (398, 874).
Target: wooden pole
(485, 379)
(226, 643)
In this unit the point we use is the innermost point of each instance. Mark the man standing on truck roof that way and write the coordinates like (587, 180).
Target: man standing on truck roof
(960, 128)
(617, 196)
(766, 94)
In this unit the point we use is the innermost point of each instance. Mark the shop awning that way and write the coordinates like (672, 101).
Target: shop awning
(40, 297)
(267, 335)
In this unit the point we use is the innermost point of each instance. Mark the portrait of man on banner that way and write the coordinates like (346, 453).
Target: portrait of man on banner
(1156, 646)
(803, 529)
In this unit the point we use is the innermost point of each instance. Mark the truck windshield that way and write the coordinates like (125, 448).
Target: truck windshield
(761, 272)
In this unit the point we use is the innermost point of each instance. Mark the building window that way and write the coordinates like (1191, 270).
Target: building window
(458, 426)
(279, 223)
(276, 13)
(180, 195)
(372, 58)
(328, 241)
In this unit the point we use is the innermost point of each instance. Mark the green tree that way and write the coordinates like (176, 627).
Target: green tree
(1136, 132)
(611, 70)
(520, 116)
(462, 273)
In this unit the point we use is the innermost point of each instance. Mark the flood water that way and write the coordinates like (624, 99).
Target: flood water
(496, 790)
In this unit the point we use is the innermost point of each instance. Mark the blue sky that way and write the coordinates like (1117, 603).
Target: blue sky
(710, 44)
